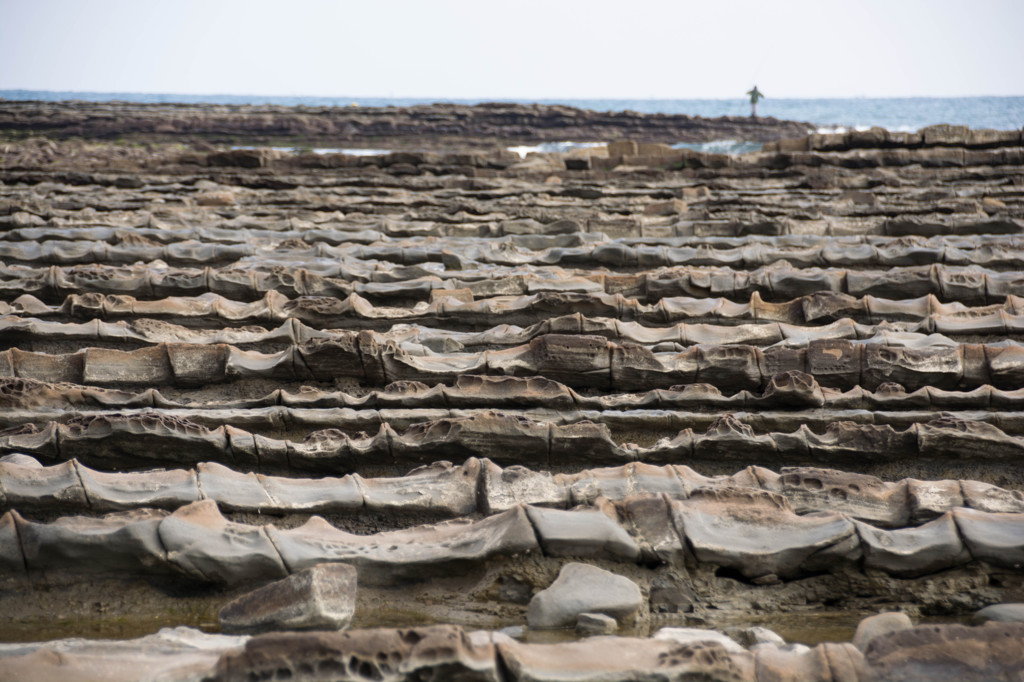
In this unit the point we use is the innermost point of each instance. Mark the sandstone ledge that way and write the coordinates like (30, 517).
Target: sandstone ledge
(421, 652)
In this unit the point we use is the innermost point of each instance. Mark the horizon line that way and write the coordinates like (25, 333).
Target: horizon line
(488, 99)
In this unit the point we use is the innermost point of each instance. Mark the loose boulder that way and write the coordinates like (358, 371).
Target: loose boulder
(319, 598)
(581, 588)
(878, 625)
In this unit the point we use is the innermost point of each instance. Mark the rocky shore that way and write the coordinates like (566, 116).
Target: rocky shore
(631, 412)
(446, 652)
(435, 126)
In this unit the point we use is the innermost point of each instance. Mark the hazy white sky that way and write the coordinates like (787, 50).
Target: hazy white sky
(544, 49)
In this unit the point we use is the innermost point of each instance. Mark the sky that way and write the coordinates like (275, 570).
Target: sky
(527, 49)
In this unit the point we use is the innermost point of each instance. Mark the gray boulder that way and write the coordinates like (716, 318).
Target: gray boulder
(1001, 613)
(319, 598)
(581, 588)
(878, 625)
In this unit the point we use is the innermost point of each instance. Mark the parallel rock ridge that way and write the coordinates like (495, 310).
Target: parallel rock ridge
(754, 532)
(480, 486)
(945, 652)
(107, 440)
(629, 389)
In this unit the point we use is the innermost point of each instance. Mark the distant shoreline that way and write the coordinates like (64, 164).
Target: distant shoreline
(897, 113)
(438, 126)
(251, 98)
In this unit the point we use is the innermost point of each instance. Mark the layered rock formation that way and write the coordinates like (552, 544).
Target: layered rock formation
(945, 652)
(781, 389)
(433, 126)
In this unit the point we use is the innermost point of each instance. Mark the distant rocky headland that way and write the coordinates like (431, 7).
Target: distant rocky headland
(422, 126)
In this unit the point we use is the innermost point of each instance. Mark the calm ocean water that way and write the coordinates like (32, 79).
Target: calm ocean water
(909, 114)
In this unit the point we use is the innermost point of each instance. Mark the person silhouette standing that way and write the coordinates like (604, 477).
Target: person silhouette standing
(755, 95)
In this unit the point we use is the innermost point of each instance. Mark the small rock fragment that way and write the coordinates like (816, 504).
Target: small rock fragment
(751, 636)
(513, 631)
(663, 208)
(221, 198)
(595, 624)
(459, 295)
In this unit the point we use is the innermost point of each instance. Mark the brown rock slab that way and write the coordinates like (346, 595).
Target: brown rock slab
(949, 652)
(167, 489)
(322, 597)
(438, 487)
(755, 532)
(989, 498)
(504, 488)
(582, 533)
(27, 484)
(995, 538)
(123, 542)
(410, 554)
(929, 499)
(863, 497)
(625, 659)
(919, 550)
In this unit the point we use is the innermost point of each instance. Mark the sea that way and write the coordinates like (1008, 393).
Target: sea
(826, 115)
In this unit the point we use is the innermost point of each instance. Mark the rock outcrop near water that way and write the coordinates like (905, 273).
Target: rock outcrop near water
(762, 397)
(433, 125)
